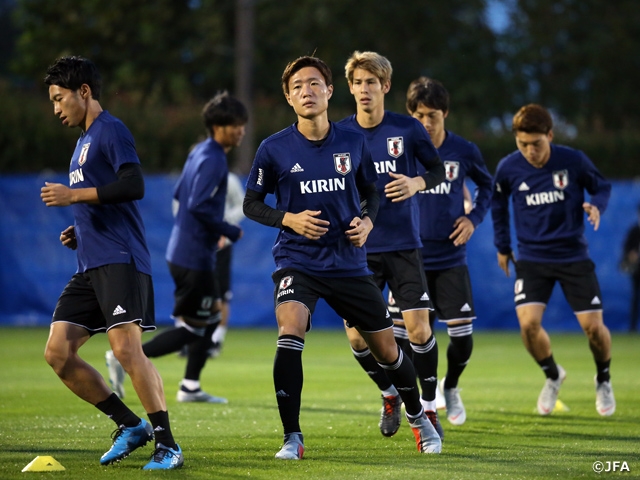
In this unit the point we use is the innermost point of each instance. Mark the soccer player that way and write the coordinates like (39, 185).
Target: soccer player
(546, 183)
(112, 290)
(199, 201)
(445, 229)
(326, 204)
(399, 146)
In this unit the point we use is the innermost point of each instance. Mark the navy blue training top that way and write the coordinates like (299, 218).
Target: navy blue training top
(547, 204)
(327, 177)
(112, 233)
(200, 195)
(398, 144)
(441, 206)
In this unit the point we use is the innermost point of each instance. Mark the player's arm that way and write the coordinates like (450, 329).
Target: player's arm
(465, 226)
(501, 225)
(128, 187)
(304, 223)
(361, 226)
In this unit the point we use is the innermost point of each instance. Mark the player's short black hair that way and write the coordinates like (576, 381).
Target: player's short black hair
(302, 62)
(428, 92)
(72, 72)
(223, 110)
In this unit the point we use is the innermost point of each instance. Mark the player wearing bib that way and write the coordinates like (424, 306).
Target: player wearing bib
(323, 179)
(445, 228)
(112, 289)
(546, 184)
(399, 147)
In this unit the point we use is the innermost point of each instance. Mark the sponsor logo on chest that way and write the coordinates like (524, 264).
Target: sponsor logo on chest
(560, 182)
(342, 164)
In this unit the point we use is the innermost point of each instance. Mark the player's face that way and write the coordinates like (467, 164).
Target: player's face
(309, 94)
(229, 136)
(433, 121)
(367, 90)
(69, 105)
(535, 147)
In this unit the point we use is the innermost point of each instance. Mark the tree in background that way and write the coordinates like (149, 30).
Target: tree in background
(579, 58)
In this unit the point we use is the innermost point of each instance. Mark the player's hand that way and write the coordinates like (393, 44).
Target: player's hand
(56, 195)
(306, 224)
(593, 215)
(462, 230)
(360, 231)
(503, 261)
(68, 238)
(402, 187)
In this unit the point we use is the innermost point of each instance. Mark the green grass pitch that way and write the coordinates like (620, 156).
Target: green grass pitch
(502, 438)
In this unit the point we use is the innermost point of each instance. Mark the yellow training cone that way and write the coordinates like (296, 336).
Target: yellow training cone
(560, 406)
(43, 464)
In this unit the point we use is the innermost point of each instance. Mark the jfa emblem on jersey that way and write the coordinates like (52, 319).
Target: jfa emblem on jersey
(83, 154)
(286, 282)
(561, 179)
(342, 161)
(451, 170)
(395, 146)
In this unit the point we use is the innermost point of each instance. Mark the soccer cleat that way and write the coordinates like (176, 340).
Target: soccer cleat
(441, 403)
(390, 415)
(435, 421)
(605, 402)
(198, 396)
(456, 414)
(165, 458)
(293, 448)
(116, 373)
(126, 440)
(549, 393)
(427, 438)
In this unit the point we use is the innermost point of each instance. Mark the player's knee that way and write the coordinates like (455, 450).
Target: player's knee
(57, 358)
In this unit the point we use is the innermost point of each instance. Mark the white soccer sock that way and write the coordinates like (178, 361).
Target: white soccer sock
(190, 384)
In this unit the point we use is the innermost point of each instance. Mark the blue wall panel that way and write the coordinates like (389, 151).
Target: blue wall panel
(34, 267)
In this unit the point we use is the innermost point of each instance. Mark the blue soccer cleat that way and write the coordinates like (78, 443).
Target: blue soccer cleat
(165, 458)
(126, 440)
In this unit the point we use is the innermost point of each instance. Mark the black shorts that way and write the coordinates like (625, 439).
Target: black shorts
(535, 282)
(195, 294)
(402, 272)
(356, 299)
(223, 272)
(450, 291)
(106, 296)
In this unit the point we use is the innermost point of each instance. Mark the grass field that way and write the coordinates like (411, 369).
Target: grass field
(502, 438)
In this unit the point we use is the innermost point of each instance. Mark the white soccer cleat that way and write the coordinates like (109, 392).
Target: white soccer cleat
(116, 373)
(199, 396)
(605, 401)
(549, 394)
(427, 438)
(456, 414)
(293, 448)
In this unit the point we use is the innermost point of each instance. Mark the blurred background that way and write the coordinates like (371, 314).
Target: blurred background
(161, 60)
